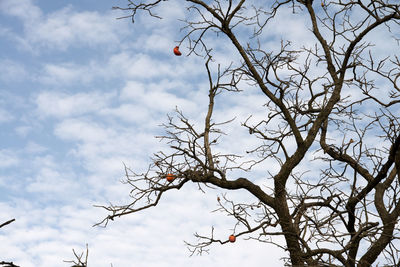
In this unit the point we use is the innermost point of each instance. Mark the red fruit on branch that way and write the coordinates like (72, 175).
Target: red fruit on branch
(232, 238)
(170, 177)
(176, 51)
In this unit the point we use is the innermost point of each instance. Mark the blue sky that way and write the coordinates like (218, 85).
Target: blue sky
(81, 93)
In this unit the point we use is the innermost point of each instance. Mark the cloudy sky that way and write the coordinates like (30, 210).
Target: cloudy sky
(82, 93)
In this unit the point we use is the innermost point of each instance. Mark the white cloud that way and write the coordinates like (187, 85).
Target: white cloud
(128, 113)
(12, 71)
(34, 148)
(23, 131)
(65, 73)
(63, 28)
(162, 96)
(5, 116)
(62, 105)
(80, 130)
(52, 182)
(144, 239)
(23, 9)
(66, 27)
(8, 158)
(102, 131)
(102, 148)
(137, 65)
(131, 65)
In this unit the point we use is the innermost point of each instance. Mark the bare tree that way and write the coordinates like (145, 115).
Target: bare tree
(334, 102)
(81, 260)
(6, 263)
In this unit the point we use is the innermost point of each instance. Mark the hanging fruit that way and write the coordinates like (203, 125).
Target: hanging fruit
(176, 51)
(232, 238)
(170, 177)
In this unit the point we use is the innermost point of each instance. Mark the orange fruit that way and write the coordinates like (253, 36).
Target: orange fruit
(176, 51)
(170, 177)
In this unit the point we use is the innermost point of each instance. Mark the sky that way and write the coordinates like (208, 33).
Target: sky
(83, 93)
